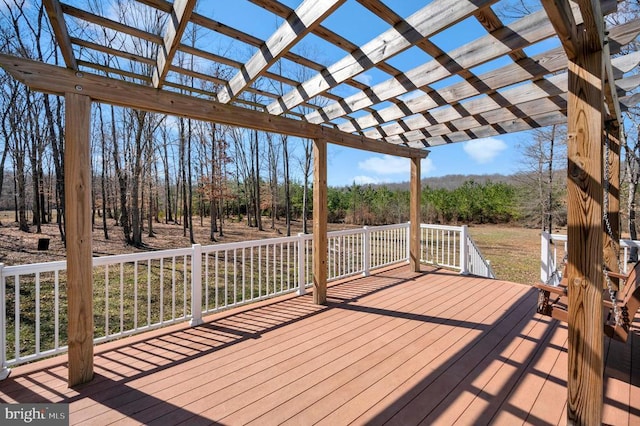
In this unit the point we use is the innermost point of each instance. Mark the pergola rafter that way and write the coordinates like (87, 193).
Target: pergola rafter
(176, 25)
(443, 99)
(297, 25)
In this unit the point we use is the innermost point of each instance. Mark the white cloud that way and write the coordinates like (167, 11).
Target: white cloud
(365, 180)
(483, 151)
(426, 166)
(390, 165)
(385, 165)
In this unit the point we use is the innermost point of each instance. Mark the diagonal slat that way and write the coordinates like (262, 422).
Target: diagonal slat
(430, 20)
(532, 68)
(530, 29)
(306, 17)
(510, 126)
(177, 23)
(512, 102)
(60, 30)
(331, 37)
(450, 117)
(546, 63)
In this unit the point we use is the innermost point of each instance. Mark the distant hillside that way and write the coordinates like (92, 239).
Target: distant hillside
(449, 182)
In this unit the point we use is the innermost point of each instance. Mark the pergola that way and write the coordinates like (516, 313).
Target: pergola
(490, 85)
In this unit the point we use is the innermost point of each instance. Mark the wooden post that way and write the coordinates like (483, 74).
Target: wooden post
(319, 221)
(414, 216)
(612, 243)
(585, 238)
(77, 181)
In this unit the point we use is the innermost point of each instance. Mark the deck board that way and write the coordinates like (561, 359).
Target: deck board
(393, 348)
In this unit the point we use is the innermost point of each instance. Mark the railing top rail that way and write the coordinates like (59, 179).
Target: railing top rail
(133, 257)
(32, 268)
(556, 237)
(248, 244)
(441, 227)
(345, 232)
(386, 227)
(630, 243)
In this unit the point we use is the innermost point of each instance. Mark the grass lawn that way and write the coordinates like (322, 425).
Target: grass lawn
(514, 252)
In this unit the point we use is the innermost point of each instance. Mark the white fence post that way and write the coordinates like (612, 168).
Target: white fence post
(302, 284)
(366, 251)
(464, 250)
(196, 285)
(545, 256)
(408, 241)
(4, 371)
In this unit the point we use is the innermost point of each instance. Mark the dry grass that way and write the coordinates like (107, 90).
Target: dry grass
(514, 252)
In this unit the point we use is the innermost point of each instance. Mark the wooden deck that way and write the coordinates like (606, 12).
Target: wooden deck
(396, 347)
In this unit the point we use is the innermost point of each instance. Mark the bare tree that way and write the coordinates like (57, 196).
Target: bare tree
(543, 154)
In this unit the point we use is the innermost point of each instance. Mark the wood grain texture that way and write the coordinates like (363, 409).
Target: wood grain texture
(77, 181)
(584, 233)
(565, 25)
(320, 241)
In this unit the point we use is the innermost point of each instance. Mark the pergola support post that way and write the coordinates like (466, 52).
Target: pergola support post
(414, 216)
(320, 241)
(77, 181)
(585, 237)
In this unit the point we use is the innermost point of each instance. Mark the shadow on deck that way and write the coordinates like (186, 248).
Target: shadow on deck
(396, 347)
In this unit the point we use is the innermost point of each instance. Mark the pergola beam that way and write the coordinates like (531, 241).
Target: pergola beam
(56, 80)
(179, 18)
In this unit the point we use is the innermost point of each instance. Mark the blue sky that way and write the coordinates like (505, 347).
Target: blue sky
(483, 156)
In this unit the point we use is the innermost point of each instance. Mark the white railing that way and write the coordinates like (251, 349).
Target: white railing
(553, 252)
(477, 264)
(142, 291)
